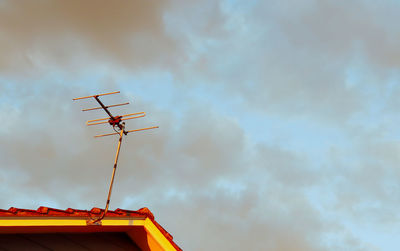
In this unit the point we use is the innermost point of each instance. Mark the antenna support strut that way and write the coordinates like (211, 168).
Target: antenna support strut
(94, 221)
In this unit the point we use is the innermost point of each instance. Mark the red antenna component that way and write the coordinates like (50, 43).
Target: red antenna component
(119, 127)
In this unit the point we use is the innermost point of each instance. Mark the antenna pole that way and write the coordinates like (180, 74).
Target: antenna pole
(114, 169)
(112, 177)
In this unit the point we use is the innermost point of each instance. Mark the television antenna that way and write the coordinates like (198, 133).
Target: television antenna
(118, 124)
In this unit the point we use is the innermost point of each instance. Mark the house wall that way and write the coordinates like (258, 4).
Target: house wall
(67, 241)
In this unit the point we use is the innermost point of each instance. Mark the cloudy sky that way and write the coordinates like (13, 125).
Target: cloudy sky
(278, 119)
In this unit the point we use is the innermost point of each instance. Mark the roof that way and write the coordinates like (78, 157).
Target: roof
(70, 213)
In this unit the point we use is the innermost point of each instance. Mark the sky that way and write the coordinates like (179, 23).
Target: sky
(278, 120)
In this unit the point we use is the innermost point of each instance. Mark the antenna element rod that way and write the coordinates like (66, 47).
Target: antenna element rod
(96, 95)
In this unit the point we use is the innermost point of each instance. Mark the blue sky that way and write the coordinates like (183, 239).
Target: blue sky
(278, 120)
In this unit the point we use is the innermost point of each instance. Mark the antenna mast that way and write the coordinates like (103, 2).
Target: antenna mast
(118, 124)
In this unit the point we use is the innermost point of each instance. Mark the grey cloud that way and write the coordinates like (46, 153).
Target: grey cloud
(265, 215)
(68, 34)
(294, 58)
(341, 27)
(365, 179)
